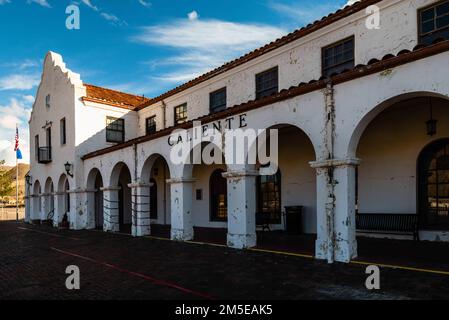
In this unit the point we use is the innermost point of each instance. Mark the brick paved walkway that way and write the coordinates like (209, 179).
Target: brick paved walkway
(33, 261)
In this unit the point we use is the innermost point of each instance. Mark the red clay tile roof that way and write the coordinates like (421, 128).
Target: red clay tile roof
(113, 97)
(295, 35)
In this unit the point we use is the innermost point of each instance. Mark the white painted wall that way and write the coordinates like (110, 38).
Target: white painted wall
(300, 61)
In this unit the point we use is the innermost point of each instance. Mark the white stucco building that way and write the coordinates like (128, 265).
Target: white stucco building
(352, 105)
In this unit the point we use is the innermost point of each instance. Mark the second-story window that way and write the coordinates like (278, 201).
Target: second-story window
(338, 57)
(36, 146)
(180, 114)
(217, 100)
(150, 125)
(434, 22)
(47, 101)
(267, 83)
(63, 131)
(115, 129)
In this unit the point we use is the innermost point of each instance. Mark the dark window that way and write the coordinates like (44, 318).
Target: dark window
(199, 194)
(47, 101)
(267, 83)
(115, 129)
(63, 131)
(153, 199)
(434, 186)
(36, 146)
(180, 114)
(338, 57)
(434, 22)
(150, 125)
(269, 196)
(217, 100)
(218, 196)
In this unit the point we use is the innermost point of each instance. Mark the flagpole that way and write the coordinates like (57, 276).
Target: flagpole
(17, 186)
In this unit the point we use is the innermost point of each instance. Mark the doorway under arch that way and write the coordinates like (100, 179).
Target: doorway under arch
(95, 199)
(433, 186)
(121, 177)
(218, 196)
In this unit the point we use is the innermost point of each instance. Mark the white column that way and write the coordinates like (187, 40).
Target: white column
(27, 208)
(140, 209)
(345, 247)
(336, 230)
(111, 209)
(90, 208)
(181, 209)
(73, 212)
(59, 208)
(42, 209)
(31, 208)
(241, 208)
(325, 206)
(57, 217)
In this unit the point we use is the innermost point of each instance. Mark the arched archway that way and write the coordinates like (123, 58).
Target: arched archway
(37, 204)
(63, 194)
(49, 202)
(209, 187)
(395, 101)
(95, 199)
(433, 185)
(156, 172)
(389, 146)
(121, 178)
(296, 187)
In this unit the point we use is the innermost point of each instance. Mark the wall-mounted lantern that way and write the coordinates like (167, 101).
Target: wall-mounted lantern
(431, 123)
(28, 179)
(68, 168)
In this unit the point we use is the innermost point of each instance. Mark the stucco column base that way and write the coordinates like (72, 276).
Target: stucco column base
(110, 209)
(241, 209)
(78, 208)
(181, 209)
(241, 241)
(140, 209)
(181, 234)
(57, 217)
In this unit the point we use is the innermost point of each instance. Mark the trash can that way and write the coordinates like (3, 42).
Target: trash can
(293, 217)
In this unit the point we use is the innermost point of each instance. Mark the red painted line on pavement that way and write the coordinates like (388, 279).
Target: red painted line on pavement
(137, 274)
(48, 233)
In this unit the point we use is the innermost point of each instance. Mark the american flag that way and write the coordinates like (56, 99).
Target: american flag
(16, 146)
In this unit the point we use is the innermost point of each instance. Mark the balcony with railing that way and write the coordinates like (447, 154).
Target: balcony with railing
(44, 155)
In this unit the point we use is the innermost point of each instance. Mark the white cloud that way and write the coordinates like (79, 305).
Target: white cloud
(304, 12)
(145, 3)
(16, 112)
(203, 44)
(193, 15)
(209, 35)
(19, 82)
(351, 2)
(2, 2)
(109, 17)
(42, 3)
(90, 5)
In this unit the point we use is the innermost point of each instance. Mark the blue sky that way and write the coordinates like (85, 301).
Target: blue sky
(138, 46)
